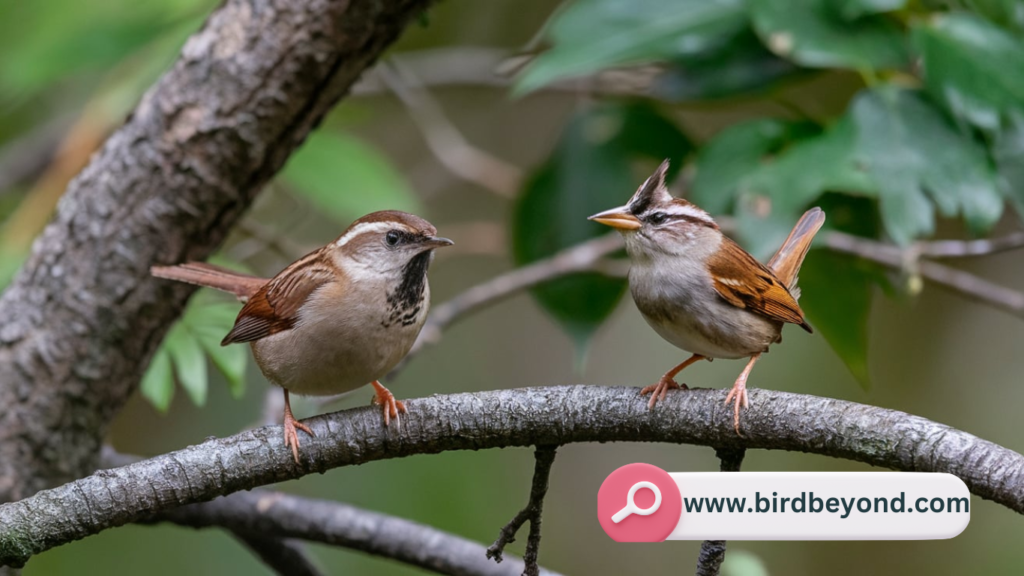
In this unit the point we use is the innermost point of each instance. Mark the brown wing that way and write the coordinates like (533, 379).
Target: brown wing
(786, 262)
(274, 308)
(746, 283)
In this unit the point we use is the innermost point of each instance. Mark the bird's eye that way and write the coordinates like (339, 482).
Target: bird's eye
(657, 218)
(392, 238)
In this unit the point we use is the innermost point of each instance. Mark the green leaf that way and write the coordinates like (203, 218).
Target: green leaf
(64, 38)
(973, 67)
(909, 148)
(1005, 13)
(733, 155)
(209, 323)
(778, 192)
(189, 363)
(837, 301)
(1008, 153)
(592, 35)
(588, 172)
(644, 132)
(158, 383)
(853, 9)
(347, 178)
(742, 66)
(812, 33)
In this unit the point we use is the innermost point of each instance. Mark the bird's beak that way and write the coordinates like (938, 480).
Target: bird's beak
(435, 242)
(618, 218)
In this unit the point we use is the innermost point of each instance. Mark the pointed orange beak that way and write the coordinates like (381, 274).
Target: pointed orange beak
(618, 218)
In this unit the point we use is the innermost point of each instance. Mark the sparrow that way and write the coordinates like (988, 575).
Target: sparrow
(336, 319)
(699, 290)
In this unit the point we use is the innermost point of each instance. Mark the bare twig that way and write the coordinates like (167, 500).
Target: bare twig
(445, 141)
(545, 457)
(265, 520)
(26, 156)
(285, 557)
(496, 68)
(272, 239)
(712, 552)
(283, 518)
(547, 416)
(964, 283)
(968, 248)
(586, 256)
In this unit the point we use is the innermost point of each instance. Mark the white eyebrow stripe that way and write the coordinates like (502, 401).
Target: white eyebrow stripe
(362, 228)
(688, 210)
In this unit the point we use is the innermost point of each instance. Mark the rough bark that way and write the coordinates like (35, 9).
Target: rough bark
(524, 417)
(83, 317)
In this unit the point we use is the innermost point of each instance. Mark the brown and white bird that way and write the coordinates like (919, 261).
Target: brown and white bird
(338, 318)
(702, 292)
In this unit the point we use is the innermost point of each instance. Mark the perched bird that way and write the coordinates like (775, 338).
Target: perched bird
(338, 318)
(702, 292)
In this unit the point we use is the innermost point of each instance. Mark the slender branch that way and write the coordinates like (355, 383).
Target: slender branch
(496, 68)
(259, 513)
(964, 283)
(969, 248)
(285, 557)
(525, 417)
(585, 256)
(545, 457)
(449, 146)
(712, 552)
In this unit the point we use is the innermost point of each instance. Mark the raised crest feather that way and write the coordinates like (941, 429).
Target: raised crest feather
(652, 191)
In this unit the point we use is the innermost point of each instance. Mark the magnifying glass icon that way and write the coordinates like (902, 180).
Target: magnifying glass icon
(632, 508)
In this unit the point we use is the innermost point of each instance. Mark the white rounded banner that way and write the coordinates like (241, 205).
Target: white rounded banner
(820, 506)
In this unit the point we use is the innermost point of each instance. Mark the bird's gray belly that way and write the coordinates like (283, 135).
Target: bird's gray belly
(698, 320)
(327, 358)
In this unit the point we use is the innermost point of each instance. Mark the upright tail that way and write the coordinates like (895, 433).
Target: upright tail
(202, 274)
(786, 262)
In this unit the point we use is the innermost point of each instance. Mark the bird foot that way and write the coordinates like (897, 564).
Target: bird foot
(738, 396)
(386, 400)
(659, 390)
(291, 436)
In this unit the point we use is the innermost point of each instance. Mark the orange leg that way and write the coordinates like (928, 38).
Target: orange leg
(291, 437)
(386, 400)
(739, 392)
(667, 383)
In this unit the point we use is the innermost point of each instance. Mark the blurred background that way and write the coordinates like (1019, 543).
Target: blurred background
(905, 120)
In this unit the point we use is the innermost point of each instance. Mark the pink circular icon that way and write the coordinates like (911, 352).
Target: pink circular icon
(639, 503)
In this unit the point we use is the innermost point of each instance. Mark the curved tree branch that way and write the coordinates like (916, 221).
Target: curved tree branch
(261, 512)
(83, 316)
(524, 417)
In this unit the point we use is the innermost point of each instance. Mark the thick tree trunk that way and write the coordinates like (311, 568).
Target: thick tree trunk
(83, 317)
